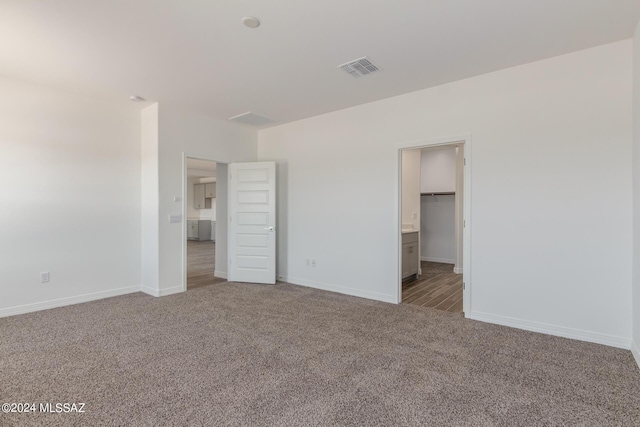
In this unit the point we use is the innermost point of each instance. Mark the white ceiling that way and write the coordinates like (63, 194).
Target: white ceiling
(198, 54)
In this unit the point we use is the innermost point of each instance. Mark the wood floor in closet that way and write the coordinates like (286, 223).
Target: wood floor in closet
(438, 287)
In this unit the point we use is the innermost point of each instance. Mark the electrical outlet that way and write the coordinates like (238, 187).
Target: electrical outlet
(313, 263)
(44, 277)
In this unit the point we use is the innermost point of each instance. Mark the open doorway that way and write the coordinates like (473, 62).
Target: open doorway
(203, 205)
(432, 220)
(241, 246)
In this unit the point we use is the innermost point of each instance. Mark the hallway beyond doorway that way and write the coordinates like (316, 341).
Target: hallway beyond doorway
(201, 261)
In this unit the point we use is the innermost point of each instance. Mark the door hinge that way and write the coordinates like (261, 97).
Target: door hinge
(465, 161)
(464, 286)
(464, 223)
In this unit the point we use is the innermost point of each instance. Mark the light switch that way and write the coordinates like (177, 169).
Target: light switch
(175, 218)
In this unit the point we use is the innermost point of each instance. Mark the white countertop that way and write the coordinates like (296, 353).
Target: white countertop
(409, 231)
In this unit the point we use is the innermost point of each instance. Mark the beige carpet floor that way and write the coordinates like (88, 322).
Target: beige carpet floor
(241, 354)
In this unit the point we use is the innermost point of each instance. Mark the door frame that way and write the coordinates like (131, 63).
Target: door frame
(185, 157)
(465, 142)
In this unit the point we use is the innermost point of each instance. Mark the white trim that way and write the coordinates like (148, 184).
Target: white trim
(339, 289)
(466, 230)
(220, 274)
(440, 260)
(465, 142)
(61, 302)
(420, 143)
(559, 331)
(458, 270)
(635, 352)
(161, 292)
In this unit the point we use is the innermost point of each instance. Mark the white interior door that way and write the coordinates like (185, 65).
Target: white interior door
(252, 222)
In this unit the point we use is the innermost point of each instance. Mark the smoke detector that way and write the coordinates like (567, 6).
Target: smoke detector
(251, 22)
(252, 119)
(359, 67)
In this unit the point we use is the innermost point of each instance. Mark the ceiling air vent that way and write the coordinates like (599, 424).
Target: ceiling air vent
(251, 119)
(359, 67)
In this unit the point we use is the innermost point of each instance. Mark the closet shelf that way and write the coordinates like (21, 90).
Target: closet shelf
(449, 193)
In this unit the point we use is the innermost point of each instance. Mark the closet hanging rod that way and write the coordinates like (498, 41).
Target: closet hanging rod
(449, 193)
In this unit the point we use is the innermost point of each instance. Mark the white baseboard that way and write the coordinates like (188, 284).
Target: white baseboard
(559, 331)
(161, 292)
(45, 305)
(635, 352)
(442, 260)
(340, 289)
(220, 274)
(458, 270)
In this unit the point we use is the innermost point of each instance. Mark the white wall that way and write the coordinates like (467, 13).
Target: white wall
(411, 189)
(70, 184)
(636, 195)
(187, 133)
(438, 168)
(222, 171)
(149, 197)
(551, 192)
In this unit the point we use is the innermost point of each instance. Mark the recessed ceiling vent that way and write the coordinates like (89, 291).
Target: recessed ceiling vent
(359, 67)
(251, 119)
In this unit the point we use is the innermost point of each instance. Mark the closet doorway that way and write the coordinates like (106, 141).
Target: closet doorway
(432, 221)
(203, 191)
